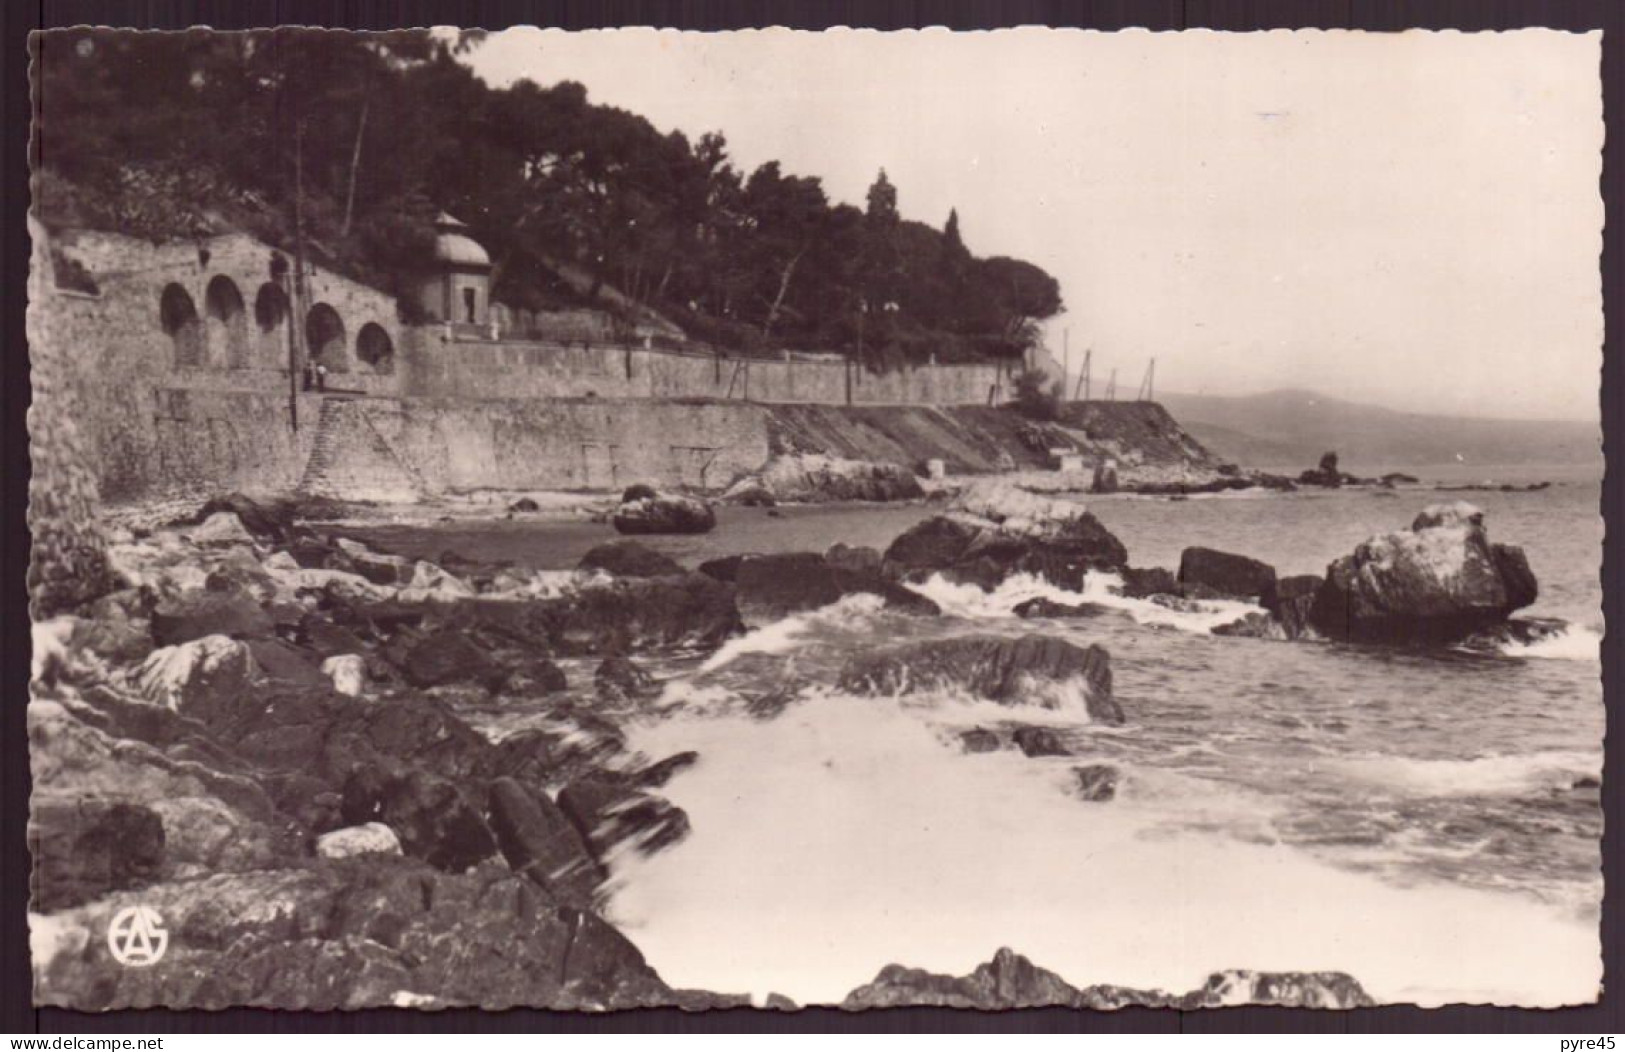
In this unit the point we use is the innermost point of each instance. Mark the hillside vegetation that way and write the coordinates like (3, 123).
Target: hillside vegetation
(357, 141)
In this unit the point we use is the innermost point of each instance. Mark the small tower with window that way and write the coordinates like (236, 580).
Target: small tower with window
(458, 289)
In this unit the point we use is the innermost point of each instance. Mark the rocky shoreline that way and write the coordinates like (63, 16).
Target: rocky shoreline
(251, 725)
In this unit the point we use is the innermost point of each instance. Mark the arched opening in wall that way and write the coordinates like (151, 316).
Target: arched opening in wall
(178, 315)
(270, 318)
(373, 346)
(324, 336)
(228, 322)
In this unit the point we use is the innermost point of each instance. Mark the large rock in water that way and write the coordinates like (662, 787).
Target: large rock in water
(663, 513)
(994, 530)
(813, 477)
(1207, 573)
(770, 587)
(1012, 981)
(629, 559)
(1290, 601)
(1438, 582)
(1031, 670)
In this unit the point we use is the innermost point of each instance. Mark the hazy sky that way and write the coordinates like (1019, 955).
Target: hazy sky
(1409, 219)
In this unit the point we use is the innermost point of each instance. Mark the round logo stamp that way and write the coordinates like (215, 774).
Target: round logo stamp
(137, 937)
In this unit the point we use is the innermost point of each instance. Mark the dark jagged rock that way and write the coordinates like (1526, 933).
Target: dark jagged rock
(362, 933)
(432, 818)
(816, 478)
(979, 739)
(1205, 573)
(1327, 474)
(1008, 981)
(1037, 670)
(638, 614)
(289, 664)
(524, 506)
(619, 679)
(770, 587)
(629, 559)
(664, 513)
(1012, 981)
(1439, 582)
(539, 840)
(271, 521)
(724, 569)
(1096, 782)
(1290, 600)
(84, 848)
(638, 491)
(609, 813)
(1154, 580)
(233, 757)
(658, 774)
(853, 559)
(193, 615)
(1256, 625)
(117, 626)
(446, 656)
(1039, 741)
(1042, 607)
(391, 571)
(993, 532)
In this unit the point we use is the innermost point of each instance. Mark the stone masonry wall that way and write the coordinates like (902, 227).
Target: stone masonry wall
(179, 355)
(169, 407)
(437, 367)
(455, 445)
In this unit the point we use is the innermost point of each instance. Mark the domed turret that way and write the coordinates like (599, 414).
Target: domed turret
(459, 289)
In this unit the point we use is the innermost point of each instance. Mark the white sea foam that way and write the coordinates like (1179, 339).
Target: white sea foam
(1481, 776)
(851, 832)
(787, 633)
(1574, 643)
(970, 601)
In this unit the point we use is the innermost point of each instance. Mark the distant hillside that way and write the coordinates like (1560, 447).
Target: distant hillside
(1292, 428)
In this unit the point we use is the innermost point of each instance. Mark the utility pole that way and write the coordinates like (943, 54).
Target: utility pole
(355, 163)
(1083, 379)
(1066, 357)
(863, 309)
(295, 327)
(1146, 385)
(1111, 386)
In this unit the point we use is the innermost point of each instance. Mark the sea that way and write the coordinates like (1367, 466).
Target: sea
(1428, 822)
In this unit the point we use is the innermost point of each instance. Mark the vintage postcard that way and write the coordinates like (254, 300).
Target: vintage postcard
(627, 518)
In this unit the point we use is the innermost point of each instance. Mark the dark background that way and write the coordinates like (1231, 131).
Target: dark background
(19, 1016)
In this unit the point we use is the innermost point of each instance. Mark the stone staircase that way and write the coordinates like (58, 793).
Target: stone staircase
(350, 460)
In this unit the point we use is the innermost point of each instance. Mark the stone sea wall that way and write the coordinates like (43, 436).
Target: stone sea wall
(523, 444)
(178, 357)
(482, 369)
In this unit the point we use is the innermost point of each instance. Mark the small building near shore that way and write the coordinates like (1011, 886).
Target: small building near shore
(458, 288)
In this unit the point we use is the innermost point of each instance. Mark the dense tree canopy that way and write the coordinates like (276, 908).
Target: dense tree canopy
(362, 138)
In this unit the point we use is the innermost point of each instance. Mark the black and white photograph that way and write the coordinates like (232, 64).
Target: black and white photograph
(600, 520)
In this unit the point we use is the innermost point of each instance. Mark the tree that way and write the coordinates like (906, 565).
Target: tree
(170, 135)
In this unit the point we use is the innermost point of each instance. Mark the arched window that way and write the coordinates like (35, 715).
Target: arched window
(271, 313)
(324, 337)
(373, 346)
(228, 322)
(270, 307)
(178, 315)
